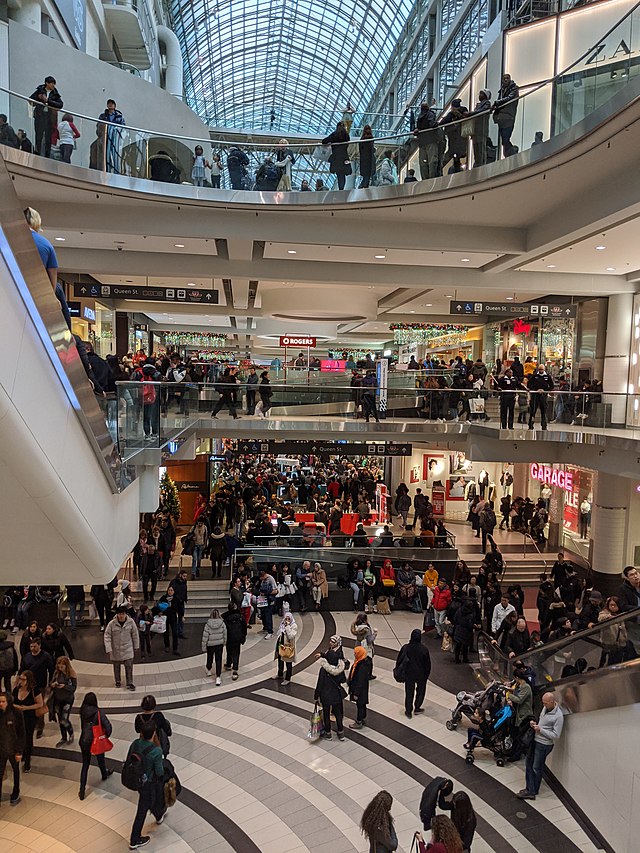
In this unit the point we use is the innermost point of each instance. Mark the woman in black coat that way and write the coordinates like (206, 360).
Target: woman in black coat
(329, 690)
(89, 712)
(266, 392)
(463, 623)
(148, 714)
(417, 672)
(236, 635)
(339, 164)
(11, 743)
(359, 677)
(367, 151)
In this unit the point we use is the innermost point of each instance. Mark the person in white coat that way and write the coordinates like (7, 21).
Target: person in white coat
(121, 641)
(286, 647)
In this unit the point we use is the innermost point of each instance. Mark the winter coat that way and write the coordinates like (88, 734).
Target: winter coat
(88, 719)
(463, 623)
(522, 699)
(441, 598)
(339, 159)
(429, 801)
(57, 644)
(319, 578)
(180, 589)
(75, 594)
(518, 642)
(506, 105)
(214, 634)
(11, 733)
(359, 684)
(329, 689)
(216, 543)
(419, 661)
(236, 627)
(287, 638)
(366, 150)
(121, 641)
(628, 596)
(540, 382)
(7, 645)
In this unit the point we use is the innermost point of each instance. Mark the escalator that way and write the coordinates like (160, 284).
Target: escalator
(68, 504)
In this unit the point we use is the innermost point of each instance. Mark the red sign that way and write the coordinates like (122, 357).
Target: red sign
(521, 328)
(297, 341)
(553, 476)
(437, 499)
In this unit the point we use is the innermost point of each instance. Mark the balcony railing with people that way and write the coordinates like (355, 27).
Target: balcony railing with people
(456, 142)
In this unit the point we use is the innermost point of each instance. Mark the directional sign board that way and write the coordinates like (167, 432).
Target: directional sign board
(151, 294)
(469, 308)
(324, 448)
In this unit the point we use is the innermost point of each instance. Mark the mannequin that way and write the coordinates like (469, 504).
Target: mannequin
(492, 492)
(506, 481)
(470, 491)
(585, 518)
(545, 494)
(483, 481)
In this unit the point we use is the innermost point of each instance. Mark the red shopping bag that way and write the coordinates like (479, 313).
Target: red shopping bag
(101, 742)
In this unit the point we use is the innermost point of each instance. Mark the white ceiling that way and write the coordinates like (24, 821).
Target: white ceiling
(366, 255)
(131, 242)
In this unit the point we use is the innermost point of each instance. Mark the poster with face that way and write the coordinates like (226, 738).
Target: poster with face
(458, 462)
(456, 486)
(414, 474)
(433, 470)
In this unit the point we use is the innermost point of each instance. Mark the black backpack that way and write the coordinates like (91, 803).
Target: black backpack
(133, 775)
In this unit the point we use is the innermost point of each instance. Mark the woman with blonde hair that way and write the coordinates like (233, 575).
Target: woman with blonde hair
(63, 685)
(284, 161)
(377, 826)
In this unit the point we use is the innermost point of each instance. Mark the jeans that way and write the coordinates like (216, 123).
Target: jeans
(215, 182)
(536, 758)
(429, 160)
(439, 616)
(235, 178)
(196, 559)
(369, 407)
(338, 713)
(16, 775)
(361, 711)
(505, 138)
(128, 670)
(217, 559)
(65, 152)
(62, 711)
(414, 692)
(251, 402)
(145, 642)
(217, 651)
(86, 761)
(281, 668)
(233, 657)
(149, 592)
(266, 614)
(356, 592)
(22, 613)
(76, 611)
(172, 629)
(150, 419)
(151, 798)
(302, 593)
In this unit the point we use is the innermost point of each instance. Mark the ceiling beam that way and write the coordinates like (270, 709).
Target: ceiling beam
(174, 308)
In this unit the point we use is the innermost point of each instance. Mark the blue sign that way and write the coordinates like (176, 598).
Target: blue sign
(89, 314)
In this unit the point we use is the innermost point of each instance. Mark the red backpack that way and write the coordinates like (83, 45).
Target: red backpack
(149, 391)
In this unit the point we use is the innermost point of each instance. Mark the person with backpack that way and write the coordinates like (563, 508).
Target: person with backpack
(236, 636)
(143, 771)
(90, 716)
(237, 161)
(414, 661)
(162, 726)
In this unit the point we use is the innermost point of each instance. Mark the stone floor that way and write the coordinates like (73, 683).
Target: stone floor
(251, 779)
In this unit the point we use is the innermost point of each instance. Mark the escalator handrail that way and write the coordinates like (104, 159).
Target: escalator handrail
(555, 645)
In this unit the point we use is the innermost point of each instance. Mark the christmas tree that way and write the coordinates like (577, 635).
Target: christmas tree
(169, 497)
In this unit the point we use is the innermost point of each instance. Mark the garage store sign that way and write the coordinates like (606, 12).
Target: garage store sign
(553, 476)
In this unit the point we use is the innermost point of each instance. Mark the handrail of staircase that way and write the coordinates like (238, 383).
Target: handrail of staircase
(527, 536)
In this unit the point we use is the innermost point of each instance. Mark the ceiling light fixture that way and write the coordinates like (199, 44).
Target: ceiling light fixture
(61, 239)
(509, 298)
(600, 248)
(291, 252)
(464, 260)
(611, 269)
(551, 266)
(179, 245)
(449, 295)
(428, 304)
(380, 257)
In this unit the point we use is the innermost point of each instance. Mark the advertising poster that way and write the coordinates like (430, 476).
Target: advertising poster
(438, 501)
(456, 486)
(434, 470)
(414, 474)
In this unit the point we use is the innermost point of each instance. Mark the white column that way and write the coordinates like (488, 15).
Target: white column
(616, 355)
(149, 479)
(609, 516)
(173, 73)
(28, 14)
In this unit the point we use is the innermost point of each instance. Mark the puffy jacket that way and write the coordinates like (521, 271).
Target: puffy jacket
(441, 598)
(506, 105)
(214, 634)
(236, 627)
(8, 647)
(121, 640)
(329, 688)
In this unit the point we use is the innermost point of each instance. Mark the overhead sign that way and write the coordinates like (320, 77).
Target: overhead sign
(505, 309)
(324, 448)
(152, 294)
(297, 341)
(75, 308)
(553, 476)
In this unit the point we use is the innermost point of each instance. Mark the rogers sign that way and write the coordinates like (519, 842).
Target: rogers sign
(293, 341)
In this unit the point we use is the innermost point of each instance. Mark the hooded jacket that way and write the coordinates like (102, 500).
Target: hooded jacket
(214, 634)
(89, 719)
(11, 733)
(8, 646)
(57, 644)
(121, 640)
(236, 627)
(429, 801)
(418, 658)
(331, 677)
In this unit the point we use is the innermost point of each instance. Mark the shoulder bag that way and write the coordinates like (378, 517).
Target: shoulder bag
(101, 742)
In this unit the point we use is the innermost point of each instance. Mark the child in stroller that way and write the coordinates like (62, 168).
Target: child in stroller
(493, 733)
(489, 699)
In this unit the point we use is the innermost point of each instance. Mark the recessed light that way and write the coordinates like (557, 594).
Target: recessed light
(291, 252)
(600, 248)
(551, 266)
(449, 295)
(179, 245)
(380, 257)
(428, 304)
(509, 298)
(412, 312)
(611, 269)
(191, 284)
(464, 260)
(61, 239)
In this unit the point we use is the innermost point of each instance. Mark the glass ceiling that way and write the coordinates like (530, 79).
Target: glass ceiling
(284, 65)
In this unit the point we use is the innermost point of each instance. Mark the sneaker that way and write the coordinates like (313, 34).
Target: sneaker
(142, 843)
(162, 817)
(109, 773)
(14, 630)
(102, 629)
(14, 799)
(218, 681)
(525, 795)
(208, 672)
(5, 624)
(234, 677)
(418, 711)
(341, 735)
(326, 735)
(228, 668)
(355, 725)
(62, 742)
(131, 687)
(284, 683)
(39, 733)
(268, 636)
(408, 715)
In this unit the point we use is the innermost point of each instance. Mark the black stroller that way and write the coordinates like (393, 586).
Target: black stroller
(489, 699)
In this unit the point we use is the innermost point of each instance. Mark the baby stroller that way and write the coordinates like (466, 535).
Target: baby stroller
(489, 699)
(494, 733)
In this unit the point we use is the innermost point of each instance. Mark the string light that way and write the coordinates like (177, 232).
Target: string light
(436, 334)
(194, 339)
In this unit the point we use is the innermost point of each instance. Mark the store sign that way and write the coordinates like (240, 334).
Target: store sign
(575, 38)
(191, 486)
(504, 309)
(297, 341)
(75, 309)
(89, 314)
(438, 502)
(552, 476)
(74, 15)
(521, 328)
(152, 294)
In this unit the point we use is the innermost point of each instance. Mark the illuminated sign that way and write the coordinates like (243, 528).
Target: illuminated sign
(297, 341)
(521, 328)
(553, 476)
(89, 314)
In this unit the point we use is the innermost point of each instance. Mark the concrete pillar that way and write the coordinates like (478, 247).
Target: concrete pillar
(28, 14)
(609, 524)
(616, 355)
(173, 73)
(149, 479)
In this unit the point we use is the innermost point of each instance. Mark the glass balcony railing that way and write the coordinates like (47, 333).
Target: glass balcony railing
(579, 91)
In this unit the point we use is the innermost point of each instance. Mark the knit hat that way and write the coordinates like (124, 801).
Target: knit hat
(335, 642)
(594, 595)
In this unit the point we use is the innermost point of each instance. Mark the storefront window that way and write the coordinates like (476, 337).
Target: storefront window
(104, 337)
(556, 350)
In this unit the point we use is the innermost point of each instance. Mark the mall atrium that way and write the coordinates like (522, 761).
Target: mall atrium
(401, 242)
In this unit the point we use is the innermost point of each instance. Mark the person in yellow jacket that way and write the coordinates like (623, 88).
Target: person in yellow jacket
(431, 577)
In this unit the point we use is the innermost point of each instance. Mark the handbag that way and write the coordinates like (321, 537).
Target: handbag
(388, 582)
(159, 624)
(321, 153)
(101, 742)
(315, 724)
(466, 128)
(93, 611)
(429, 619)
(43, 710)
(446, 642)
(400, 669)
(286, 651)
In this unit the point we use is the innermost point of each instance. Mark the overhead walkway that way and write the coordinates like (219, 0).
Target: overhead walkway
(68, 504)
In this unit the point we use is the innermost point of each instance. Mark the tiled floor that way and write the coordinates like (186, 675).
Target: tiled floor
(251, 779)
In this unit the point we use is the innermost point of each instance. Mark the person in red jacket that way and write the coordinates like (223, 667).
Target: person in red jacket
(441, 600)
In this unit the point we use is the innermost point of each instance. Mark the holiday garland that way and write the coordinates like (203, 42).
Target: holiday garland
(194, 339)
(436, 334)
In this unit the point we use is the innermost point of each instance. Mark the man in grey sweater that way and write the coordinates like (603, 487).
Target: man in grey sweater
(547, 731)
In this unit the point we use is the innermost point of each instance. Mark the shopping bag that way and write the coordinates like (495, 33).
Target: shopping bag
(446, 642)
(429, 620)
(93, 611)
(159, 624)
(476, 406)
(101, 742)
(315, 724)
(322, 153)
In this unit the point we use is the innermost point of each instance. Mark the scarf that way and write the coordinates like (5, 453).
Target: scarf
(359, 654)
(335, 642)
(283, 623)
